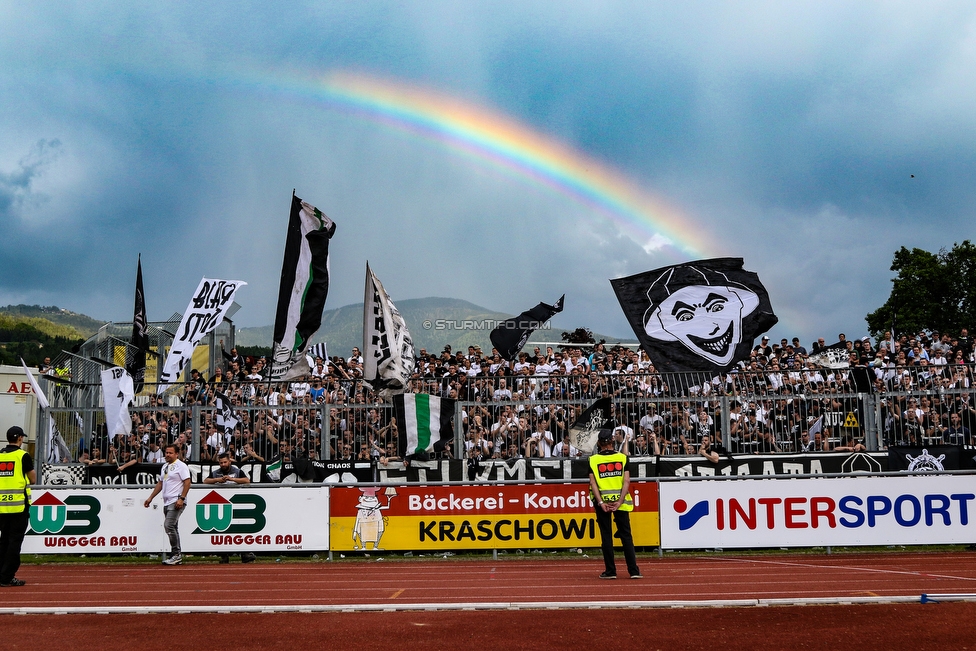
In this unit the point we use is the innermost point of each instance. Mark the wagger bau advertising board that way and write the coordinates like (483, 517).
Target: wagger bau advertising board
(219, 520)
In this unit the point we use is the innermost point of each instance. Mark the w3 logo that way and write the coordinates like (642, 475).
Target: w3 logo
(242, 513)
(77, 515)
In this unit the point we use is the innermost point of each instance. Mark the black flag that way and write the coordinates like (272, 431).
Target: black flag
(927, 458)
(303, 289)
(509, 336)
(698, 316)
(584, 431)
(140, 335)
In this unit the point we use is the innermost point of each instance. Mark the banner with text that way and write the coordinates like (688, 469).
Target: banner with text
(443, 470)
(540, 516)
(810, 463)
(907, 510)
(67, 521)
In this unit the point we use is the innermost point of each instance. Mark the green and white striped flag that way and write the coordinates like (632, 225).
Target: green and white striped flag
(424, 422)
(274, 470)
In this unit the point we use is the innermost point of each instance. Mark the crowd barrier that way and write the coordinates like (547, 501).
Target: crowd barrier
(840, 403)
(670, 513)
(335, 472)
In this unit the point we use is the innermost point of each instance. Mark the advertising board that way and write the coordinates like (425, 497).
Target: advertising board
(500, 516)
(217, 520)
(912, 510)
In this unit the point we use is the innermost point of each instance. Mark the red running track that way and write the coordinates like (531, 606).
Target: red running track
(525, 581)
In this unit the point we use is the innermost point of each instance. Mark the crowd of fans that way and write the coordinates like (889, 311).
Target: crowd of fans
(785, 398)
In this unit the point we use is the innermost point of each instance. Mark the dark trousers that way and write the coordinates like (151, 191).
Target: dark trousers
(13, 528)
(622, 519)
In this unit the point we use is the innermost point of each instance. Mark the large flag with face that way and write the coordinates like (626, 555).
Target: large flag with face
(698, 316)
(424, 423)
(509, 337)
(584, 431)
(140, 334)
(204, 313)
(388, 354)
(117, 394)
(303, 289)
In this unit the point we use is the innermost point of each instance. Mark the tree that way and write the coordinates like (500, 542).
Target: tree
(932, 291)
(580, 336)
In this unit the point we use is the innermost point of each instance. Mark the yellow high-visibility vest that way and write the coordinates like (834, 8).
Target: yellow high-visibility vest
(14, 490)
(608, 470)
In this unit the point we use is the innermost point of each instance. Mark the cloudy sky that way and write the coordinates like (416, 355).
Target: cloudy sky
(503, 153)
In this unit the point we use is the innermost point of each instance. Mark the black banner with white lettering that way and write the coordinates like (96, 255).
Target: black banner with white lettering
(928, 458)
(774, 464)
(442, 470)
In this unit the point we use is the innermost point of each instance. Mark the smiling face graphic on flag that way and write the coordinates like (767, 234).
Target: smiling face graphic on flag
(700, 316)
(706, 320)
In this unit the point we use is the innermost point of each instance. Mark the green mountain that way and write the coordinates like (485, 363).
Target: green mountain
(54, 321)
(433, 323)
(34, 338)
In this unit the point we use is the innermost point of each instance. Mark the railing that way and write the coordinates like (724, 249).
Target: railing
(496, 415)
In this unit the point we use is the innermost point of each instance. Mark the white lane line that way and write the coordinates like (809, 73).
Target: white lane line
(524, 605)
(845, 567)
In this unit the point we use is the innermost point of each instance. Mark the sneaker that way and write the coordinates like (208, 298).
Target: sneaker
(248, 558)
(174, 560)
(14, 583)
(607, 575)
(637, 576)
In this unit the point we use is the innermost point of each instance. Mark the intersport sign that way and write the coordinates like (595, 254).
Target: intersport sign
(916, 510)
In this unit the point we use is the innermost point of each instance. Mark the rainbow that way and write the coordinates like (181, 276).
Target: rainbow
(503, 143)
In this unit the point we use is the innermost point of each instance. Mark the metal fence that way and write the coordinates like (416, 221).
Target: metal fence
(770, 411)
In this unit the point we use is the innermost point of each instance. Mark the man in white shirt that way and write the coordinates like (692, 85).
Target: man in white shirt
(502, 392)
(541, 439)
(174, 483)
(565, 449)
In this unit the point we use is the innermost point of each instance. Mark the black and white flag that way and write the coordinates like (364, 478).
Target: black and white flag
(227, 420)
(204, 313)
(303, 289)
(699, 316)
(584, 431)
(140, 334)
(317, 351)
(388, 353)
(509, 336)
(117, 394)
(833, 356)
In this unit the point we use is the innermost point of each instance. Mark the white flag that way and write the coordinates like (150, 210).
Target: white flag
(118, 391)
(388, 355)
(41, 398)
(204, 313)
(57, 450)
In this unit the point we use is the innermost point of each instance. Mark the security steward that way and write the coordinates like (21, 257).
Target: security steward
(610, 491)
(16, 476)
